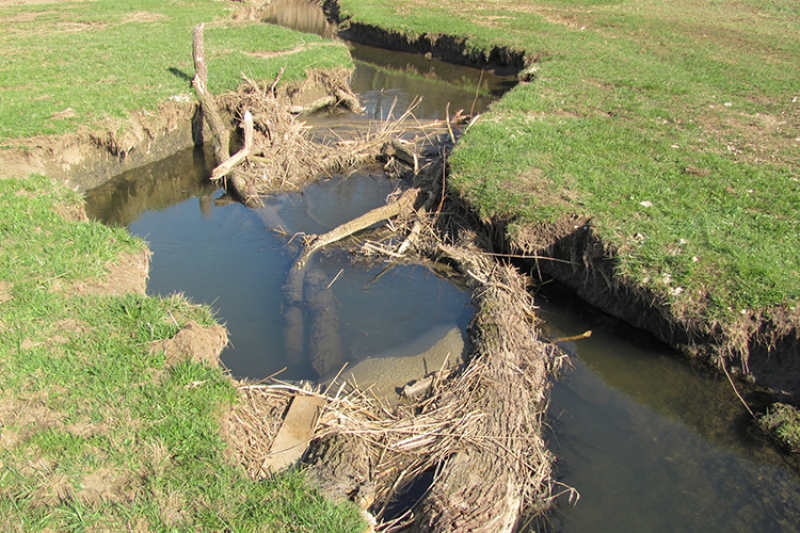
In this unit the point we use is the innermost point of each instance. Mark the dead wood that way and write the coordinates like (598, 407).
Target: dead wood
(398, 149)
(349, 101)
(314, 243)
(480, 430)
(208, 105)
(483, 487)
(235, 184)
(313, 107)
(238, 157)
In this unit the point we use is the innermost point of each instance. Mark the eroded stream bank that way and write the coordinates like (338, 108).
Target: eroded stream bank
(649, 441)
(626, 424)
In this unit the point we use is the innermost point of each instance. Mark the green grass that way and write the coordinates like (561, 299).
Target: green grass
(691, 107)
(106, 59)
(783, 423)
(98, 431)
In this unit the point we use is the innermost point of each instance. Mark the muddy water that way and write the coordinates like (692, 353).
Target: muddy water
(650, 442)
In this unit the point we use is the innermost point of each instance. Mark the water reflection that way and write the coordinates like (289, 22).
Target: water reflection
(232, 259)
(653, 443)
(158, 185)
(384, 76)
(300, 15)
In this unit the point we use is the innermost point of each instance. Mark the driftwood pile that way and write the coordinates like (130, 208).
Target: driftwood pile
(278, 152)
(477, 432)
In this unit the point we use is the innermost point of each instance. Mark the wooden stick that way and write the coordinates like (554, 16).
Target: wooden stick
(207, 103)
(241, 155)
(406, 201)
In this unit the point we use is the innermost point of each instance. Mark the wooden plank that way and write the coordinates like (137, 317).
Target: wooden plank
(295, 433)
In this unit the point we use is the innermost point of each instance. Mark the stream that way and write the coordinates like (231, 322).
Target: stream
(650, 441)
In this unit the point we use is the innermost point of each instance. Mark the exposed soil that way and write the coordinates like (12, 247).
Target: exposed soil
(89, 158)
(764, 347)
(196, 343)
(92, 156)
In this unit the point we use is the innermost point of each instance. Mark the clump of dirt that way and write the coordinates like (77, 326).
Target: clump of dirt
(105, 484)
(201, 344)
(22, 415)
(144, 16)
(6, 291)
(126, 275)
(71, 212)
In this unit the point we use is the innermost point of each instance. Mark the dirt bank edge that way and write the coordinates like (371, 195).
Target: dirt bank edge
(92, 156)
(763, 347)
(450, 48)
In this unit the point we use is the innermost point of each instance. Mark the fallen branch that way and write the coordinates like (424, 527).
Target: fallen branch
(404, 203)
(316, 105)
(242, 154)
(349, 101)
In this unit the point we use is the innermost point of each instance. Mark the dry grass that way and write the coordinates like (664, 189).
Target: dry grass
(286, 156)
(484, 419)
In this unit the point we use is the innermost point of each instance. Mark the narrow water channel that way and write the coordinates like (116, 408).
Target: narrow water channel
(650, 442)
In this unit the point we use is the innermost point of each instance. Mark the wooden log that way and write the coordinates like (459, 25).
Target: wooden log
(433, 195)
(405, 202)
(208, 105)
(316, 105)
(400, 151)
(349, 101)
(241, 155)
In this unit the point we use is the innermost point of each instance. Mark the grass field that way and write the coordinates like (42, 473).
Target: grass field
(99, 432)
(68, 64)
(673, 127)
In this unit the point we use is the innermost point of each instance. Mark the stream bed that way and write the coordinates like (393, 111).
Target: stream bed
(649, 441)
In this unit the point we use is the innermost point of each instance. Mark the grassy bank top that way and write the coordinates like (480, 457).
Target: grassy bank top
(674, 127)
(67, 64)
(100, 428)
